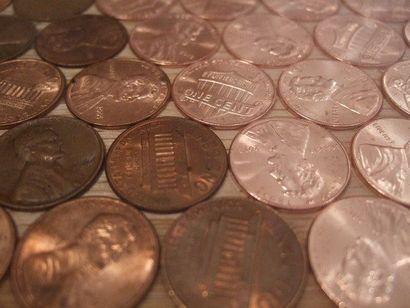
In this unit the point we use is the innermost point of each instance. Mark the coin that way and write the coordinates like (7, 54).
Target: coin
(232, 253)
(330, 93)
(267, 40)
(389, 11)
(359, 41)
(407, 32)
(7, 241)
(82, 40)
(396, 84)
(117, 93)
(381, 153)
(89, 252)
(4, 4)
(175, 40)
(166, 164)
(359, 253)
(47, 161)
(223, 93)
(289, 163)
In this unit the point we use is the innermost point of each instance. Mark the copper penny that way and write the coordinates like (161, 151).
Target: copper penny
(81, 40)
(407, 32)
(267, 40)
(7, 241)
(389, 11)
(360, 41)
(4, 4)
(396, 84)
(89, 252)
(28, 89)
(223, 93)
(175, 40)
(232, 253)
(117, 93)
(166, 164)
(330, 93)
(359, 253)
(289, 163)
(47, 161)
(381, 152)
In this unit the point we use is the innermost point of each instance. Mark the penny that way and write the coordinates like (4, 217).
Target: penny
(47, 161)
(407, 33)
(359, 252)
(223, 93)
(232, 253)
(89, 252)
(330, 93)
(166, 164)
(117, 93)
(81, 41)
(4, 4)
(360, 41)
(28, 89)
(7, 241)
(389, 11)
(290, 164)
(396, 84)
(175, 40)
(267, 40)
(381, 153)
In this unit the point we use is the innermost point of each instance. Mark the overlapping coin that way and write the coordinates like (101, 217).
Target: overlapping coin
(388, 11)
(7, 241)
(396, 84)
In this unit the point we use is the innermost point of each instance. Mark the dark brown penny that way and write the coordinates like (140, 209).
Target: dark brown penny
(166, 164)
(87, 253)
(47, 161)
(7, 241)
(28, 89)
(4, 4)
(232, 253)
(81, 40)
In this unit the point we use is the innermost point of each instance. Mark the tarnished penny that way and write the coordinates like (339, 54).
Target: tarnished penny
(381, 152)
(232, 253)
(289, 163)
(47, 161)
(166, 164)
(330, 93)
(223, 93)
(396, 84)
(407, 33)
(7, 241)
(267, 40)
(81, 40)
(4, 4)
(28, 89)
(118, 93)
(360, 41)
(389, 11)
(359, 253)
(87, 253)
(175, 40)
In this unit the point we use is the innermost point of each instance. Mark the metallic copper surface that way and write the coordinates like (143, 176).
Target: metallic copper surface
(47, 161)
(396, 84)
(166, 164)
(7, 241)
(117, 93)
(359, 252)
(4, 4)
(232, 253)
(407, 33)
(267, 40)
(381, 153)
(360, 41)
(82, 40)
(28, 89)
(223, 93)
(289, 163)
(87, 253)
(389, 11)
(174, 40)
(330, 93)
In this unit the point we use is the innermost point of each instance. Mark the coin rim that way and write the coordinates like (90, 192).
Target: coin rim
(12, 244)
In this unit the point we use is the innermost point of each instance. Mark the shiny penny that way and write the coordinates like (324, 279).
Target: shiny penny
(389, 11)
(166, 164)
(87, 253)
(175, 40)
(81, 40)
(223, 93)
(7, 241)
(359, 253)
(289, 163)
(360, 41)
(47, 161)
(330, 93)
(407, 33)
(396, 84)
(4, 4)
(381, 152)
(267, 40)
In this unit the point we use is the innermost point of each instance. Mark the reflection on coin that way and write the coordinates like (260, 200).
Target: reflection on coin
(232, 253)
(4, 4)
(359, 253)
(7, 241)
(407, 33)
(381, 152)
(396, 84)
(389, 11)
(89, 252)
(166, 164)
(290, 164)
(47, 161)
(330, 93)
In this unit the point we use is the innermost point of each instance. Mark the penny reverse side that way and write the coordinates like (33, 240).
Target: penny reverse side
(388, 11)
(7, 241)
(396, 84)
